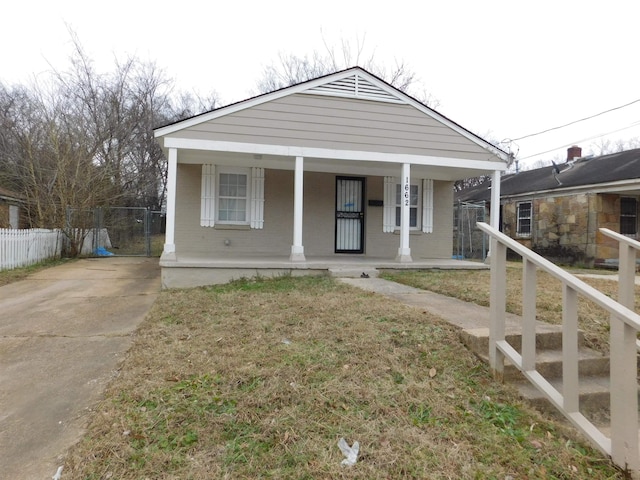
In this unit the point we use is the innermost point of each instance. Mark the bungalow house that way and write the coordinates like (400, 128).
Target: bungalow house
(11, 209)
(557, 210)
(343, 169)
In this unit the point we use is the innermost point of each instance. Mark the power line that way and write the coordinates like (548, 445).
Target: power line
(577, 121)
(580, 141)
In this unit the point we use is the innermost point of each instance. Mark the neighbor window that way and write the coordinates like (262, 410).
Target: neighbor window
(628, 216)
(233, 197)
(414, 201)
(524, 219)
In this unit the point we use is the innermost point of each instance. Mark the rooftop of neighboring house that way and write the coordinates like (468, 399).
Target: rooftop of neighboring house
(6, 194)
(576, 171)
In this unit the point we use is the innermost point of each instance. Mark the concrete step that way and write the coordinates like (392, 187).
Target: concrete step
(353, 272)
(595, 397)
(548, 337)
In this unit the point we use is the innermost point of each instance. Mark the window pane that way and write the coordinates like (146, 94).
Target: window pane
(414, 194)
(628, 206)
(398, 194)
(398, 216)
(413, 217)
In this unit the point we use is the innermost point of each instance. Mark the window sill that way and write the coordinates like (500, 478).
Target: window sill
(411, 232)
(230, 226)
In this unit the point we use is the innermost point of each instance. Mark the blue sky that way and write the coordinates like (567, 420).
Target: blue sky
(504, 69)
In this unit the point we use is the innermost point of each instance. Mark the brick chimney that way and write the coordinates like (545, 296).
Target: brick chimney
(573, 152)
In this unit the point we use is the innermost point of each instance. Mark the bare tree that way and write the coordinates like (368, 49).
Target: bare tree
(81, 139)
(291, 69)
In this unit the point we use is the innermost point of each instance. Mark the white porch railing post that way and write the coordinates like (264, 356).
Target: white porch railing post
(624, 394)
(528, 315)
(498, 306)
(570, 380)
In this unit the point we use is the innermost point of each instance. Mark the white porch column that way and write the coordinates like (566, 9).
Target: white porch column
(495, 200)
(297, 249)
(494, 215)
(172, 172)
(404, 252)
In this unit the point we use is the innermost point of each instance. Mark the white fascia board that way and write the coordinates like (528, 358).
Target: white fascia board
(312, 152)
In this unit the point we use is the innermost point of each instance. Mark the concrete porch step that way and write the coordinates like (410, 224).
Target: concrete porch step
(595, 397)
(548, 337)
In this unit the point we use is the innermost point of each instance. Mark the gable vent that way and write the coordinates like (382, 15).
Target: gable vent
(354, 86)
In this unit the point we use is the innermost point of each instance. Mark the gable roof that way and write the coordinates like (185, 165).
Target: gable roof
(353, 82)
(585, 172)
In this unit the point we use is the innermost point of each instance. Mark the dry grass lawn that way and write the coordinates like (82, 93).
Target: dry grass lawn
(260, 379)
(473, 286)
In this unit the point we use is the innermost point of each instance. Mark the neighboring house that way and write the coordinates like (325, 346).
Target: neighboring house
(557, 210)
(325, 172)
(11, 209)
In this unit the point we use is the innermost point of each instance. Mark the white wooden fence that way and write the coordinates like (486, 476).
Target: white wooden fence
(20, 248)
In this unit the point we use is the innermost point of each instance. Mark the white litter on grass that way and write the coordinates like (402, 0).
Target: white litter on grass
(350, 452)
(286, 341)
(58, 474)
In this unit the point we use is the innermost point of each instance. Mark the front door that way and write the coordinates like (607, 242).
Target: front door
(349, 215)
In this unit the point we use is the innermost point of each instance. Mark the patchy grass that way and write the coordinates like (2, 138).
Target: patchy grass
(473, 286)
(17, 274)
(260, 379)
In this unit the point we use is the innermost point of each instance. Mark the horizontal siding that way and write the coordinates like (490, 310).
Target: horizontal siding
(338, 123)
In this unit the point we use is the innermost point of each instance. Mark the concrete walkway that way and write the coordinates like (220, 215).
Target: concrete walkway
(469, 317)
(63, 333)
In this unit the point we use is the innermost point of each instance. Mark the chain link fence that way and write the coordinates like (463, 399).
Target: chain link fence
(105, 231)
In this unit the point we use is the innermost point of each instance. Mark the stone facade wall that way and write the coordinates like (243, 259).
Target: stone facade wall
(563, 228)
(608, 209)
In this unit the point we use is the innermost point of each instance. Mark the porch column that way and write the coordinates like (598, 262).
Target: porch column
(495, 200)
(297, 249)
(172, 171)
(404, 252)
(494, 215)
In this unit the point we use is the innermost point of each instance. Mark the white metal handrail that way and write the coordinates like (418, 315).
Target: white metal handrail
(622, 444)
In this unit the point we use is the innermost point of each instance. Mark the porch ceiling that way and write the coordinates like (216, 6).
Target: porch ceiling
(328, 165)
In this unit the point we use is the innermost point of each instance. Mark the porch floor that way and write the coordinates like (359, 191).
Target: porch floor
(191, 270)
(317, 263)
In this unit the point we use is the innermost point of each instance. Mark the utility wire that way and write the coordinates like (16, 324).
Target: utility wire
(580, 141)
(577, 121)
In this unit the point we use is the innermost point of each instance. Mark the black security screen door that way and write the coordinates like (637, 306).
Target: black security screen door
(349, 215)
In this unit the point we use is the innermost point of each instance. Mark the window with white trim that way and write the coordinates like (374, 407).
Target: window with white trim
(232, 196)
(420, 197)
(414, 201)
(628, 216)
(524, 216)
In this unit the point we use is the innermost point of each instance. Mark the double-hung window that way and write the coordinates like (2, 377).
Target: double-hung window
(413, 197)
(524, 215)
(628, 216)
(419, 199)
(232, 196)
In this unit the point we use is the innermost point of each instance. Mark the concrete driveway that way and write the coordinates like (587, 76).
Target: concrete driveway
(63, 333)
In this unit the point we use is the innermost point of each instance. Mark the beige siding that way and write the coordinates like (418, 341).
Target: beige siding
(339, 123)
(319, 220)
